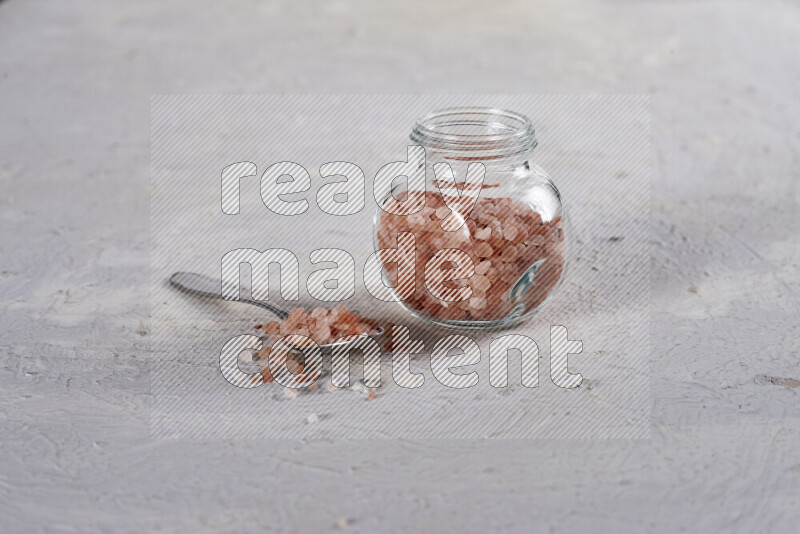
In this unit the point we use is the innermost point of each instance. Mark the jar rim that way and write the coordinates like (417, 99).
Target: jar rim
(485, 130)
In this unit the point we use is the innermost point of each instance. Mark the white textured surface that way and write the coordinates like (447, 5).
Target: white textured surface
(75, 86)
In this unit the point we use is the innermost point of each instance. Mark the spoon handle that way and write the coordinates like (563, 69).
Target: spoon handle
(198, 284)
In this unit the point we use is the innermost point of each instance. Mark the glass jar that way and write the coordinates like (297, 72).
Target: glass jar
(514, 234)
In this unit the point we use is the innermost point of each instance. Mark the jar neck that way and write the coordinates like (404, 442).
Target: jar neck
(495, 137)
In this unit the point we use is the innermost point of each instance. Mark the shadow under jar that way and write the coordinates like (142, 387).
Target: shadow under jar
(514, 235)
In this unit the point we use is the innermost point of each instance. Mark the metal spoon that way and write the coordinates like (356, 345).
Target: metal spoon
(200, 285)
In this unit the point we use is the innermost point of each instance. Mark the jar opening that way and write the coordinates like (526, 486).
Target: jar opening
(482, 131)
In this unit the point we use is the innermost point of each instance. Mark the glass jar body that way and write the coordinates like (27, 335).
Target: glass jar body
(507, 256)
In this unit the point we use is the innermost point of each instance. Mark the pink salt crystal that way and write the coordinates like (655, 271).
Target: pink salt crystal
(434, 200)
(483, 267)
(483, 249)
(427, 212)
(535, 240)
(272, 328)
(321, 333)
(415, 219)
(480, 214)
(483, 234)
(481, 283)
(293, 319)
(453, 239)
(442, 212)
(509, 253)
(286, 328)
(520, 236)
(319, 313)
(496, 227)
(510, 232)
(362, 328)
(477, 303)
(336, 312)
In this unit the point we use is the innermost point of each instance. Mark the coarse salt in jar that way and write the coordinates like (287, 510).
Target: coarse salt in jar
(478, 241)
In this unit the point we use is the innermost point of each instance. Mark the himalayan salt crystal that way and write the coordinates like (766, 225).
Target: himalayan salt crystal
(263, 353)
(481, 283)
(442, 212)
(510, 232)
(272, 328)
(287, 328)
(347, 323)
(497, 228)
(521, 236)
(454, 239)
(415, 219)
(483, 249)
(433, 201)
(477, 303)
(362, 328)
(267, 375)
(427, 213)
(321, 331)
(480, 214)
(319, 313)
(535, 240)
(483, 234)
(483, 267)
(293, 319)
(509, 253)
(496, 240)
